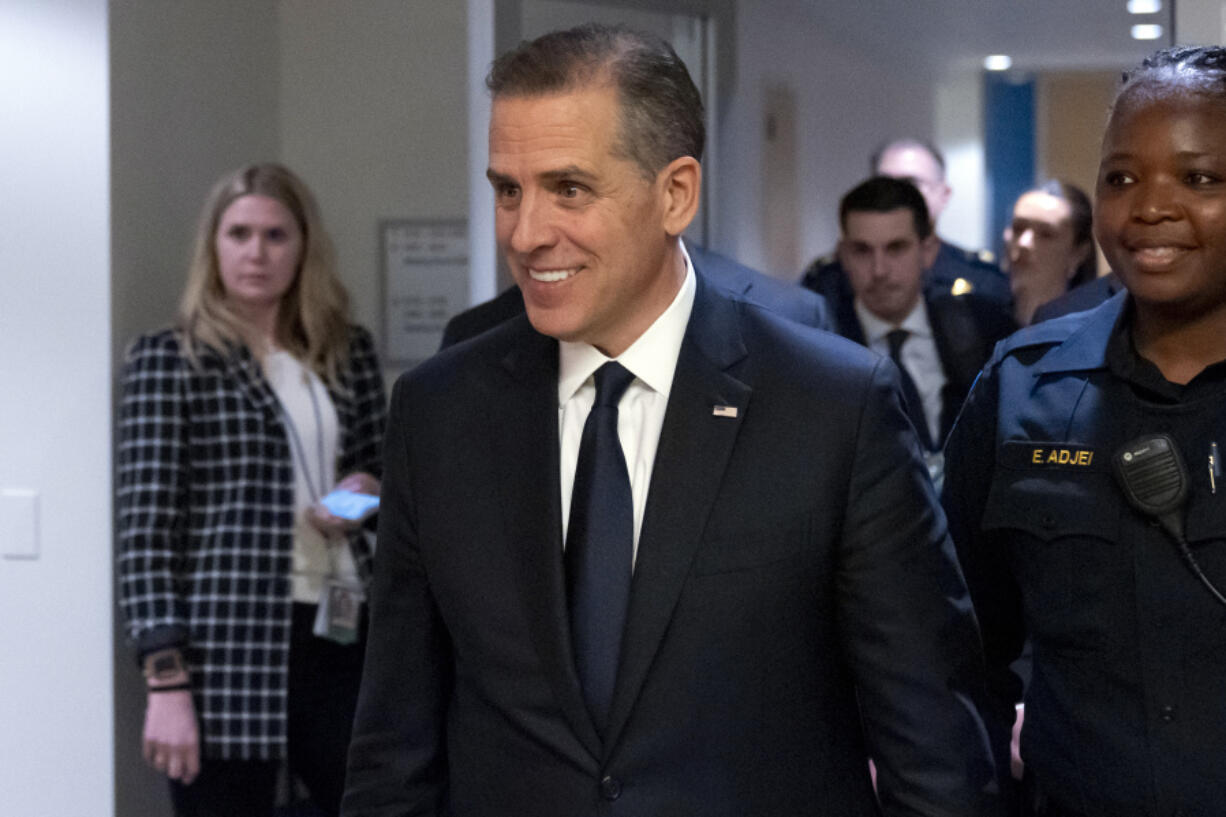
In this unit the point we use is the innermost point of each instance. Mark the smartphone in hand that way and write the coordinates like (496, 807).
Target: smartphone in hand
(350, 504)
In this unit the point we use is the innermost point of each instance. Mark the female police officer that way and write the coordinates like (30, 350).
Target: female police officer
(1126, 709)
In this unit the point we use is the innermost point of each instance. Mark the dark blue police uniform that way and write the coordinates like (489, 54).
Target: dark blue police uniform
(1126, 710)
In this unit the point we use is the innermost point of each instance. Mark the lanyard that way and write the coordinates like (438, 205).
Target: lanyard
(299, 450)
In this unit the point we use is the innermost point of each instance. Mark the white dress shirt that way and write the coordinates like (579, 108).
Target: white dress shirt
(313, 431)
(919, 356)
(652, 359)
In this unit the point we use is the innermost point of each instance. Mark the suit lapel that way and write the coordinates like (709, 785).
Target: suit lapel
(694, 448)
(245, 370)
(846, 321)
(962, 348)
(523, 425)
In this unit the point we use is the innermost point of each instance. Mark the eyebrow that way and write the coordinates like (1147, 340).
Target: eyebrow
(1183, 155)
(548, 177)
(497, 178)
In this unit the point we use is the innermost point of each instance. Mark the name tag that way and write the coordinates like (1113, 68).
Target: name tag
(1024, 456)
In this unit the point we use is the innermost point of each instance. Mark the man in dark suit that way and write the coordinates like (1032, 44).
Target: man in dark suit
(650, 549)
(789, 300)
(938, 339)
(954, 270)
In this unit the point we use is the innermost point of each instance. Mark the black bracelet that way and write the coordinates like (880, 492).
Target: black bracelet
(170, 688)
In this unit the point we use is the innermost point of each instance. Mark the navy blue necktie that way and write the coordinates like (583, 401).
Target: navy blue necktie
(600, 546)
(914, 406)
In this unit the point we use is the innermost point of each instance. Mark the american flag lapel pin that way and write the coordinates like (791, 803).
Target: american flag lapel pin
(724, 411)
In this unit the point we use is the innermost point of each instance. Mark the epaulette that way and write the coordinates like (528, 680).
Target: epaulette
(961, 286)
(827, 260)
(1044, 333)
(817, 276)
(983, 259)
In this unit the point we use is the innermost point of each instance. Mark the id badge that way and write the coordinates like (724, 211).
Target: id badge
(340, 612)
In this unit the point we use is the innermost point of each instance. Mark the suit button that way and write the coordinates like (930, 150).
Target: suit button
(610, 788)
(1167, 713)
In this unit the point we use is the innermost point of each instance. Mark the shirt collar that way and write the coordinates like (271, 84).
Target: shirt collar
(875, 329)
(1086, 348)
(652, 358)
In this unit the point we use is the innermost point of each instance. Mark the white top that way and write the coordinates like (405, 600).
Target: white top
(919, 356)
(313, 435)
(652, 359)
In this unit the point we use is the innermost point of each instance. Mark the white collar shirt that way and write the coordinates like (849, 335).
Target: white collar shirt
(919, 356)
(652, 359)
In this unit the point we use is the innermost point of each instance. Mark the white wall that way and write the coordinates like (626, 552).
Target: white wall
(1200, 22)
(779, 46)
(194, 95)
(374, 116)
(55, 333)
(958, 115)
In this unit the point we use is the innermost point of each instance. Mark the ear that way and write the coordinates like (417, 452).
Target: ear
(930, 248)
(680, 186)
(946, 192)
(1079, 257)
(840, 251)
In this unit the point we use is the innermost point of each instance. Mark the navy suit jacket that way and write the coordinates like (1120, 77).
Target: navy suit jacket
(795, 607)
(789, 300)
(965, 329)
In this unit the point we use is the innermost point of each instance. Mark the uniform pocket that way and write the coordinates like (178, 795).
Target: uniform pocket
(1062, 531)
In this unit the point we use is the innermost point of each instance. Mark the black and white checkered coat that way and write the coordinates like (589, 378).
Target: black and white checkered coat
(206, 513)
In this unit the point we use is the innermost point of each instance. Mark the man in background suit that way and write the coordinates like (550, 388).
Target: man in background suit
(938, 339)
(789, 300)
(650, 549)
(954, 270)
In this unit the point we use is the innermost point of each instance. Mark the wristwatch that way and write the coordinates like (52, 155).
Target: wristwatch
(164, 665)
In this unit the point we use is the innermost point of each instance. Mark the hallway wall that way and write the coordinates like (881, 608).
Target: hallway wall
(55, 334)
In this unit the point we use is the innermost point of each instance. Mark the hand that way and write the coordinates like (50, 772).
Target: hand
(335, 527)
(360, 482)
(1016, 766)
(171, 741)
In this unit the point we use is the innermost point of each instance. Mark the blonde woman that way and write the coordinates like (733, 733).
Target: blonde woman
(242, 592)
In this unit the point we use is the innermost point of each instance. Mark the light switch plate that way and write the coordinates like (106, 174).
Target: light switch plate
(18, 523)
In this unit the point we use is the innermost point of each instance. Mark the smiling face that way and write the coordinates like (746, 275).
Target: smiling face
(885, 259)
(1160, 204)
(259, 248)
(591, 242)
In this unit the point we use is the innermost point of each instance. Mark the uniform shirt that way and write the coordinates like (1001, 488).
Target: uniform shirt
(919, 356)
(1126, 709)
(652, 359)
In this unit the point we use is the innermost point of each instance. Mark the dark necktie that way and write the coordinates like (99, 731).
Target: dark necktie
(911, 398)
(600, 546)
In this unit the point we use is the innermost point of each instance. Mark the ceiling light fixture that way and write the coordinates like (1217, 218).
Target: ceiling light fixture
(1146, 32)
(1144, 6)
(998, 62)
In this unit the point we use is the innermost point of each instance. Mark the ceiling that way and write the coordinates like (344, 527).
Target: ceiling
(957, 34)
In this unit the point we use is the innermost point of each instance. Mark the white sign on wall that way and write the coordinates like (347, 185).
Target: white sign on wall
(425, 282)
